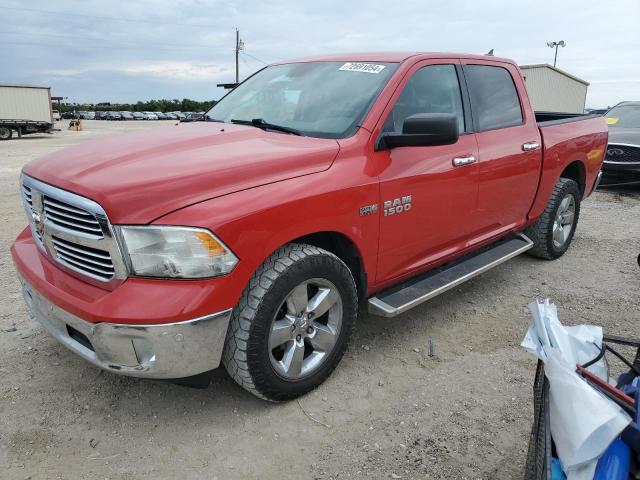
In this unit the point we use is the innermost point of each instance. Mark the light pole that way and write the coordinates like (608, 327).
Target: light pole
(555, 45)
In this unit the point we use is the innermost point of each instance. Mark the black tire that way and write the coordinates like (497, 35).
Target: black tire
(5, 133)
(247, 356)
(541, 232)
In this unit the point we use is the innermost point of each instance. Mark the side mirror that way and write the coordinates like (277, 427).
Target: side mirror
(422, 130)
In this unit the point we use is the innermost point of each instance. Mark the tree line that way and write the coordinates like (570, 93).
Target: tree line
(184, 105)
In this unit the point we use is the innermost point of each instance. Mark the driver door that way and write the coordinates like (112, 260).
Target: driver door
(436, 187)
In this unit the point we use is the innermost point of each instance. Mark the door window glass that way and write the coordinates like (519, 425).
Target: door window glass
(494, 99)
(432, 89)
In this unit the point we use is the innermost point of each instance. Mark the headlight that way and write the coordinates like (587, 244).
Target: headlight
(175, 252)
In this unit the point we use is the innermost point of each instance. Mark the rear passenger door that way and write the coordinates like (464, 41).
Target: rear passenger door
(509, 145)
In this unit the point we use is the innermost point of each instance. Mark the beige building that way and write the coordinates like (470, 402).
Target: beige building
(554, 90)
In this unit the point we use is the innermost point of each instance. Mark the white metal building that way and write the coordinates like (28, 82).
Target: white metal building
(554, 90)
(25, 102)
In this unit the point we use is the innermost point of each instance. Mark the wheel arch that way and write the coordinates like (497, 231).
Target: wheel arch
(344, 248)
(576, 171)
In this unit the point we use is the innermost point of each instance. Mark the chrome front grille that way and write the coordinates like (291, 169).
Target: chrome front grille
(86, 259)
(71, 218)
(74, 232)
(26, 194)
(622, 153)
(28, 205)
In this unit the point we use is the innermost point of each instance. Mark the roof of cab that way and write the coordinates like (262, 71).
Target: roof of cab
(392, 57)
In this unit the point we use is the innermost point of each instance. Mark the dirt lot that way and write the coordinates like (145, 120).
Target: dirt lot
(389, 410)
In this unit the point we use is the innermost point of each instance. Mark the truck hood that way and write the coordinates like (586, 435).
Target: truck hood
(629, 136)
(138, 177)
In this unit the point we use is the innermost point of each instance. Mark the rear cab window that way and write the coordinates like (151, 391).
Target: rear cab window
(494, 98)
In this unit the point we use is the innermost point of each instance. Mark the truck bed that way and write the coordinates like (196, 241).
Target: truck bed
(544, 119)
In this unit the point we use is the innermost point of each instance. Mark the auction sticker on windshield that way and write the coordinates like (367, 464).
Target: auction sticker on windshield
(362, 67)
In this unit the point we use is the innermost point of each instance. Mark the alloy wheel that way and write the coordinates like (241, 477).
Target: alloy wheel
(563, 223)
(305, 329)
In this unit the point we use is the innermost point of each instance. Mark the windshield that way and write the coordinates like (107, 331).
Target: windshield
(319, 99)
(624, 116)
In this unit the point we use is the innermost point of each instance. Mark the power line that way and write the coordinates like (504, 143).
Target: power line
(255, 58)
(115, 19)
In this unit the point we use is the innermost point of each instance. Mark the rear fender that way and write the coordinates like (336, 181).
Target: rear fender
(583, 141)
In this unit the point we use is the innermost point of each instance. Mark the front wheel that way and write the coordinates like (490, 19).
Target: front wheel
(292, 324)
(554, 230)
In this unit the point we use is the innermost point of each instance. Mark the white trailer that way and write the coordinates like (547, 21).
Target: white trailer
(24, 109)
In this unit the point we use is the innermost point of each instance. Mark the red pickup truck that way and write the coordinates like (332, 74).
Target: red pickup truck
(316, 186)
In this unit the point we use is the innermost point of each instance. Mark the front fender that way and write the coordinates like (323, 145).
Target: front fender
(256, 222)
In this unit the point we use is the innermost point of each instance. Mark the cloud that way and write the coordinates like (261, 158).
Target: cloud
(128, 51)
(177, 70)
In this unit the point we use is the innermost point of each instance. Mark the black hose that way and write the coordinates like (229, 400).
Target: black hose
(597, 358)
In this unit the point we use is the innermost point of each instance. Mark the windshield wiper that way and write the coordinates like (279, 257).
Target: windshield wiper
(261, 123)
(207, 118)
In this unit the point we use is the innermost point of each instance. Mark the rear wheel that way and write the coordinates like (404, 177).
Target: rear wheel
(292, 324)
(5, 133)
(553, 232)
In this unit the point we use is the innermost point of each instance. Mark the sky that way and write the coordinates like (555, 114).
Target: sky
(124, 51)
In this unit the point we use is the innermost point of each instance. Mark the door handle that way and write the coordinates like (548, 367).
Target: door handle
(464, 160)
(527, 147)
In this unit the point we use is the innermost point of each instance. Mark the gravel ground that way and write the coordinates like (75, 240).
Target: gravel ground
(389, 410)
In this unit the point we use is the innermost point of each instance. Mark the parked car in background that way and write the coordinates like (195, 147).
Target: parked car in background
(193, 117)
(100, 115)
(171, 116)
(113, 116)
(622, 161)
(69, 115)
(126, 115)
(595, 111)
(179, 115)
(56, 115)
(161, 115)
(151, 116)
(138, 115)
(90, 115)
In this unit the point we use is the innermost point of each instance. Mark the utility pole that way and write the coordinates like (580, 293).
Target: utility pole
(239, 48)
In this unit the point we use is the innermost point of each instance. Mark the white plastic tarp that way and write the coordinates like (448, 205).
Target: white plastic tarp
(583, 421)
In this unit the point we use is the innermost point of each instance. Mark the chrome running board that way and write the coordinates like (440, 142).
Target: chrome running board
(413, 292)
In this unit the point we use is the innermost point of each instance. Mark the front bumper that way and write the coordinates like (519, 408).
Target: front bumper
(620, 173)
(165, 351)
(621, 167)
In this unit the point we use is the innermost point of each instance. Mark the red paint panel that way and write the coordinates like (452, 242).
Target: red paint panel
(508, 176)
(140, 176)
(584, 141)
